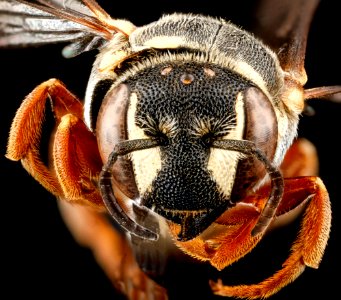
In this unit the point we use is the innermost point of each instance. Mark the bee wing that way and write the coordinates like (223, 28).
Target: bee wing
(284, 26)
(82, 22)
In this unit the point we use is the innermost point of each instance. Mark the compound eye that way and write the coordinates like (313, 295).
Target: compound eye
(111, 129)
(260, 128)
(260, 121)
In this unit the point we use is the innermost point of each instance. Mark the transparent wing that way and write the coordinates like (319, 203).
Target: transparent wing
(38, 22)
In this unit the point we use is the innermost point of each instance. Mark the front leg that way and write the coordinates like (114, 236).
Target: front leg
(307, 249)
(75, 160)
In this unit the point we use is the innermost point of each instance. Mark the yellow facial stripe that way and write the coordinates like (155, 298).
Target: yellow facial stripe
(222, 163)
(146, 163)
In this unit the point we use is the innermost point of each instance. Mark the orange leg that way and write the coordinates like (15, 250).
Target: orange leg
(75, 156)
(77, 161)
(300, 160)
(307, 249)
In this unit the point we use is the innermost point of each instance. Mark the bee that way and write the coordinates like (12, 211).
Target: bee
(186, 138)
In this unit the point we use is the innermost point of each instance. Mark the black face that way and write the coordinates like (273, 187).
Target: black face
(187, 106)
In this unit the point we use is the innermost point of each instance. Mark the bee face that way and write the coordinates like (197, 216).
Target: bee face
(186, 105)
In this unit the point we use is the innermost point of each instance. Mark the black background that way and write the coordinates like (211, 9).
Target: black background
(39, 257)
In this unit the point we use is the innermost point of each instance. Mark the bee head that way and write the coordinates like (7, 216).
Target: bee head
(186, 89)
(185, 106)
